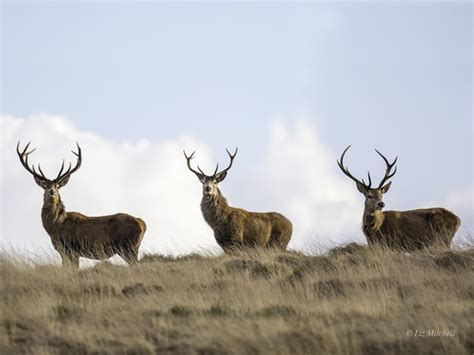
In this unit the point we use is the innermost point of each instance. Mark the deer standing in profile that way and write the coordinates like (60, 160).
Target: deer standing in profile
(235, 227)
(402, 230)
(75, 235)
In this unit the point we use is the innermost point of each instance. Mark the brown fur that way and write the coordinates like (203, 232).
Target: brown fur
(235, 227)
(410, 230)
(75, 235)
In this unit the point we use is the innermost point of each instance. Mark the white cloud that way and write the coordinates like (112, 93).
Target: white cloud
(461, 202)
(299, 177)
(296, 175)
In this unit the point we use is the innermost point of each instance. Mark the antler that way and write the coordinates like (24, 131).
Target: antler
(231, 156)
(70, 171)
(388, 173)
(23, 155)
(345, 170)
(200, 173)
(188, 162)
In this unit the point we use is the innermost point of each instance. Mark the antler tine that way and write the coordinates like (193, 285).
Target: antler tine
(70, 171)
(231, 156)
(61, 170)
(79, 158)
(188, 162)
(203, 173)
(190, 157)
(41, 171)
(200, 170)
(23, 155)
(370, 180)
(34, 170)
(60, 177)
(24, 150)
(345, 170)
(388, 171)
(79, 151)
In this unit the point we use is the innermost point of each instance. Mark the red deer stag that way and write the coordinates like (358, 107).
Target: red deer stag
(401, 230)
(235, 227)
(75, 235)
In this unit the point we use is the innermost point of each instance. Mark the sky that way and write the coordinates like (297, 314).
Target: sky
(290, 84)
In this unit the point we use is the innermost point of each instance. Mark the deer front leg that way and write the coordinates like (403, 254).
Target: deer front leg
(229, 239)
(236, 239)
(237, 236)
(70, 260)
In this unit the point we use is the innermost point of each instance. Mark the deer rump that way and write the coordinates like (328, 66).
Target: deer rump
(415, 229)
(99, 237)
(241, 228)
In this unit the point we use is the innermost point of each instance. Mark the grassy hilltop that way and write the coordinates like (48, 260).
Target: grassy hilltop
(350, 301)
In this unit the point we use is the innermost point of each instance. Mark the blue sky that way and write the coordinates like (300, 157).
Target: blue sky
(396, 76)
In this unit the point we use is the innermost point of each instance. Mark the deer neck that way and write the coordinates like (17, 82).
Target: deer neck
(214, 209)
(372, 220)
(53, 213)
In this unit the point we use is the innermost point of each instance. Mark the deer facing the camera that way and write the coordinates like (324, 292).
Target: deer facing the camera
(75, 235)
(402, 230)
(235, 227)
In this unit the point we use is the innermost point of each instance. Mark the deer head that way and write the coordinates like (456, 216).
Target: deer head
(373, 196)
(51, 187)
(210, 182)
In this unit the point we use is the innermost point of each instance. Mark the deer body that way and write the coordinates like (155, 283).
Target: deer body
(401, 230)
(410, 230)
(75, 235)
(236, 227)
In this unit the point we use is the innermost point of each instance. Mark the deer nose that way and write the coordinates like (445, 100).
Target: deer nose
(207, 188)
(381, 204)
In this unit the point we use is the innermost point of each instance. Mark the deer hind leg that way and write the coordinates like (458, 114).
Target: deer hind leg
(279, 239)
(441, 229)
(130, 255)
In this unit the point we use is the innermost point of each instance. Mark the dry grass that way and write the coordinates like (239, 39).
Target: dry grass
(353, 300)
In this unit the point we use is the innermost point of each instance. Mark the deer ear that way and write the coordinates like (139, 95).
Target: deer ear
(201, 178)
(221, 176)
(362, 189)
(63, 182)
(41, 183)
(386, 187)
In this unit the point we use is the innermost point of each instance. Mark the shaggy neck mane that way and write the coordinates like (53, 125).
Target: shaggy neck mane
(372, 220)
(214, 208)
(53, 214)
